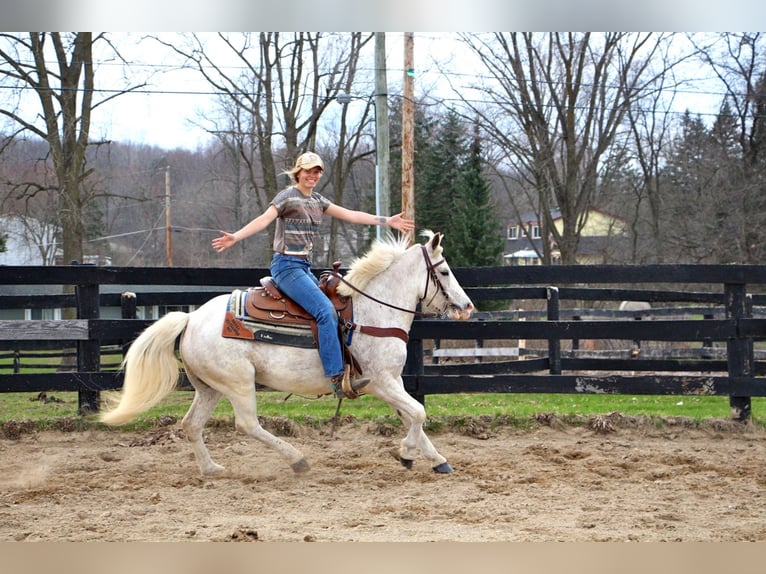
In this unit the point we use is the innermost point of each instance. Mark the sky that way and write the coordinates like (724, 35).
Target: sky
(167, 113)
(168, 110)
(161, 116)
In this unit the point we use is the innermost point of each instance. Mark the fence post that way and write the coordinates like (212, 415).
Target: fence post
(576, 342)
(437, 345)
(636, 342)
(88, 352)
(554, 345)
(739, 350)
(128, 305)
(707, 343)
(414, 365)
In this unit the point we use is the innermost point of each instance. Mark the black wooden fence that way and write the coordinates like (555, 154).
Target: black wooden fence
(709, 318)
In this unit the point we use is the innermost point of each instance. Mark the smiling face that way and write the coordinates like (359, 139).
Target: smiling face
(307, 179)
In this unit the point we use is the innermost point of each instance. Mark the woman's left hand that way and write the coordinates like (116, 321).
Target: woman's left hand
(400, 223)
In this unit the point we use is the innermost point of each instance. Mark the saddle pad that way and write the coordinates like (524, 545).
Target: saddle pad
(238, 324)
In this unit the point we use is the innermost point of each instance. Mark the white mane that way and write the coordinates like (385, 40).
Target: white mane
(379, 258)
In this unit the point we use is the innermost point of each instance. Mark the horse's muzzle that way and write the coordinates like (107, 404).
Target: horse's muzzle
(460, 314)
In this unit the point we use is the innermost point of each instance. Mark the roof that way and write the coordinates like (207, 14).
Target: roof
(532, 216)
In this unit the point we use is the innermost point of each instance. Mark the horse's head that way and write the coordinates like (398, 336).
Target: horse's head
(442, 293)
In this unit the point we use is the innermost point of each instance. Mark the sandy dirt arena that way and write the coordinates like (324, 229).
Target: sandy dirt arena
(637, 482)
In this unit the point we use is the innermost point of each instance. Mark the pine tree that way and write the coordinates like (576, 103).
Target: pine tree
(474, 227)
(439, 171)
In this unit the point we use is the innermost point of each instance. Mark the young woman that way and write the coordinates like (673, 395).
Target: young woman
(298, 212)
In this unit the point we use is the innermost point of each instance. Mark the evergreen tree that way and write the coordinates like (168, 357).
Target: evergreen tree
(439, 149)
(706, 210)
(436, 193)
(425, 127)
(475, 229)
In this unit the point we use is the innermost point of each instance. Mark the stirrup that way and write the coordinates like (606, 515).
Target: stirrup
(345, 386)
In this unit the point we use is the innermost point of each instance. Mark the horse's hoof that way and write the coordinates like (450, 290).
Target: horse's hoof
(213, 470)
(443, 468)
(300, 466)
(406, 462)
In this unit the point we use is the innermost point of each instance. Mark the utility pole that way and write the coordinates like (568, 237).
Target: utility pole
(408, 132)
(168, 228)
(383, 206)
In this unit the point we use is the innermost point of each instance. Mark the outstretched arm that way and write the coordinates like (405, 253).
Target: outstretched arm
(397, 221)
(258, 224)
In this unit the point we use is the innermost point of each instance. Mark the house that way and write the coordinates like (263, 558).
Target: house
(601, 241)
(27, 241)
(30, 242)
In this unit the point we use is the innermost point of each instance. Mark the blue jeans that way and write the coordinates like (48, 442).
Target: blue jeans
(294, 278)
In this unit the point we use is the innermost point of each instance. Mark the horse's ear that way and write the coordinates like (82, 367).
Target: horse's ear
(436, 241)
(436, 244)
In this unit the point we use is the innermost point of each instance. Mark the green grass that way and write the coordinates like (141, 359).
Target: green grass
(517, 409)
(50, 361)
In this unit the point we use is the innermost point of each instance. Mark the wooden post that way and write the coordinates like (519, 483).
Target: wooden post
(554, 345)
(576, 342)
(127, 311)
(414, 365)
(739, 350)
(408, 132)
(381, 128)
(168, 227)
(89, 351)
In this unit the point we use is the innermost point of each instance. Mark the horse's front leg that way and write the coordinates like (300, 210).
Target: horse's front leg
(413, 415)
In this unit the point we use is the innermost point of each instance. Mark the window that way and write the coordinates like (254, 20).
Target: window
(43, 314)
(165, 309)
(513, 232)
(535, 232)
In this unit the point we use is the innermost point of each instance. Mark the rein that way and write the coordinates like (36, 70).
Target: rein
(392, 331)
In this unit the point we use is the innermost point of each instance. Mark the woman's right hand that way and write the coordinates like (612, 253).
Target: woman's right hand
(224, 242)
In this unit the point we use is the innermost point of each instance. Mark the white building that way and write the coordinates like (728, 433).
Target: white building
(26, 240)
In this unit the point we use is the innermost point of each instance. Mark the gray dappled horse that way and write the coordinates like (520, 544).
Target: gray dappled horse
(385, 285)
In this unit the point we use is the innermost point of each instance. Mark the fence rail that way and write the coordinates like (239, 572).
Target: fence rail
(712, 331)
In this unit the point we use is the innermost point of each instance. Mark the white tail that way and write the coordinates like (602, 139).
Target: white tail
(151, 369)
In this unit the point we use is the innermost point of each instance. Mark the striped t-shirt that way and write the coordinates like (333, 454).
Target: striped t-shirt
(298, 221)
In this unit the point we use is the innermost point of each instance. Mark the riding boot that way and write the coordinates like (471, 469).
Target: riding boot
(344, 385)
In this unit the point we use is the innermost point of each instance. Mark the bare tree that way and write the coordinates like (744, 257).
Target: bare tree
(651, 125)
(58, 68)
(555, 106)
(737, 60)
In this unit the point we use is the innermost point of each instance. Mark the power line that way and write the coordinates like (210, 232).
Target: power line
(168, 92)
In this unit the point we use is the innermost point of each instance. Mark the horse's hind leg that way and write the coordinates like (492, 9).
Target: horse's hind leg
(193, 423)
(246, 420)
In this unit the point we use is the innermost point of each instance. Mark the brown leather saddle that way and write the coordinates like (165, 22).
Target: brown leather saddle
(268, 305)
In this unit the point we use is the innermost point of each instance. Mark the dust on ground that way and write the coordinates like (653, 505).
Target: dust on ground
(603, 481)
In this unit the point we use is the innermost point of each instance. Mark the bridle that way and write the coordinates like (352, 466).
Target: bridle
(431, 267)
(395, 331)
(431, 276)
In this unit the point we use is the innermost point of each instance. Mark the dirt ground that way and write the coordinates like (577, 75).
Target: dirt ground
(600, 482)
